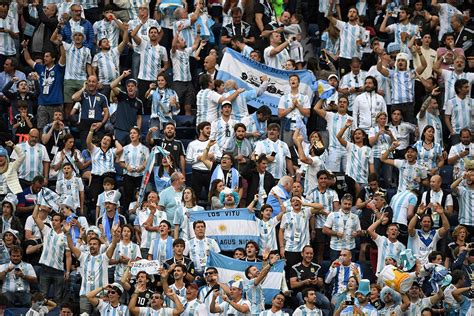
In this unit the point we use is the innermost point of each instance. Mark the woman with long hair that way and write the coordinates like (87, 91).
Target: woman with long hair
(312, 157)
(70, 154)
(181, 219)
(430, 153)
(380, 138)
(349, 293)
(103, 160)
(460, 237)
(360, 160)
(165, 170)
(133, 162)
(164, 102)
(216, 188)
(125, 251)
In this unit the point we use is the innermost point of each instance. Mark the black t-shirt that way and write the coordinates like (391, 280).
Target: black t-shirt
(264, 8)
(187, 262)
(143, 299)
(174, 147)
(127, 111)
(301, 272)
(32, 258)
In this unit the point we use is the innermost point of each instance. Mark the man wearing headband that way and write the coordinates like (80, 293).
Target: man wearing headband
(402, 83)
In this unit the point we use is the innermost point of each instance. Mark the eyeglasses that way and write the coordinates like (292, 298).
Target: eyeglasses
(209, 273)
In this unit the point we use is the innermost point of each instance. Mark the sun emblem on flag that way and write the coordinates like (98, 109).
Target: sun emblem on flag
(222, 228)
(237, 277)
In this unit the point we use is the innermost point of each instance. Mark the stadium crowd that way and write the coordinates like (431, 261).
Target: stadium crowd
(116, 125)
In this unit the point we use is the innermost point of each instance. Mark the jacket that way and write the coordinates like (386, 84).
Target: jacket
(11, 174)
(50, 25)
(252, 176)
(66, 33)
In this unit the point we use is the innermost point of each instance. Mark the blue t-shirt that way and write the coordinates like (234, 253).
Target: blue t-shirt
(51, 84)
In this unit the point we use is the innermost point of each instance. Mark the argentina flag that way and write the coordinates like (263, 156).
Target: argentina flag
(325, 90)
(231, 228)
(231, 269)
(246, 73)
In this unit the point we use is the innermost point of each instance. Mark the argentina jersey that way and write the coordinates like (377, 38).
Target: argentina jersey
(76, 61)
(358, 161)
(107, 63)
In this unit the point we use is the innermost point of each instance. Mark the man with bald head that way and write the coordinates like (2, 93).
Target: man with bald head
(437, 195)
(210, 63)
(36, 162)
(45, 24)
(92, 105)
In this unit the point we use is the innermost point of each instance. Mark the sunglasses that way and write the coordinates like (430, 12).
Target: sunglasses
(111, 292)
(209, 273)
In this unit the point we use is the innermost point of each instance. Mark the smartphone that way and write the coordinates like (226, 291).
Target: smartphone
(386, 127)
(351, 302)
(273, 154)
(467, 149)
(418, 41)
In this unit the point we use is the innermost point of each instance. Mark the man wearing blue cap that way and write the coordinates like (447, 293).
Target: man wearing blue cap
(129, 108)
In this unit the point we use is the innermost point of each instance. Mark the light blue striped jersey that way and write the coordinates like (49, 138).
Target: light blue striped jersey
(107, 63)
(383, 142)
(54, 248)
(181, 219)
(94, 271)
(222, 131)
(398, 29)
(349, 34)
(13, 284)
(228, 309)
(459, 166)
(335, 122)
(351, 80)
(254, 293)
(286, 102)
(186, 33)
(180, 62)
(428, 158)
(207, 102)
(296, 229)
(402, 86)
(433, 120)
(143, 32)
(195, 308)
(159, 249)
(408, 173)
(330, 45)
(367, 310)
(400, 203)
(239, 104)
(133, 8)
(198, 251)
(460, 111)
(346, 223)
(466, 204)
(107, 29)
(277, 167)
(386, 247)
(148, 236)
(134, 156)
(327, 199)
(151, 59)
(278, 60)
(103, 162)
(269, 312)
(105, 308)
(131, 250)
(450, 77)
(161, 104)
(76, 61)
(181, 295)
(358, 161)
(32, 166)
(303, 310)
(267, 233)
(70, 187)
(7, 43)
(340, 276)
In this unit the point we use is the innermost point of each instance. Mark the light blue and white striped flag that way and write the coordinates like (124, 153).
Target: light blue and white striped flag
(231, 269)
(246, 73)
(231, 228)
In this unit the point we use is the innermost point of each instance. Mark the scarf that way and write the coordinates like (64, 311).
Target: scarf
(230, 181)
(106, 224)
(75, 233)
(169, 248)
(261, 127)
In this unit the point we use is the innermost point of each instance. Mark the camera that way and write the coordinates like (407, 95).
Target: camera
(418, 41)
(467, 149)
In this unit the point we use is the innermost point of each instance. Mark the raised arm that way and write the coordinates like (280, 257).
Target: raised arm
(380, 68)
(341, 133)
(115, 239)
(90, 135)
(412, 225)
(67, 230)
(384, 156)
(423, 63)
(383, 26)
(373, 227)
(26, 54)
(205, 154)
(36, 218)
(134, 34)
(279, 48)
(318, 108)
